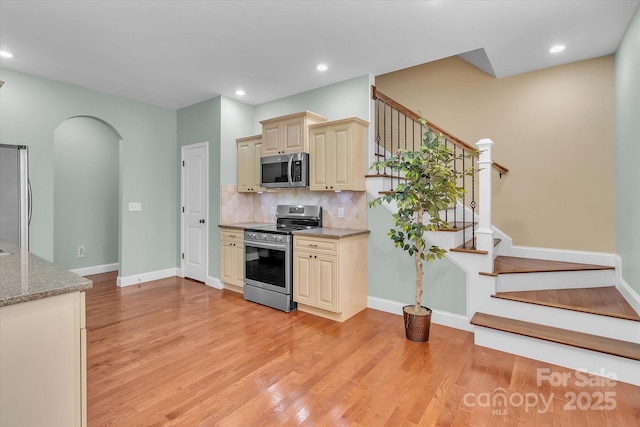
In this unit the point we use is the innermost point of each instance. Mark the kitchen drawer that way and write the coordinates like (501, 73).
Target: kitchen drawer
(232, 234)
(329, 246)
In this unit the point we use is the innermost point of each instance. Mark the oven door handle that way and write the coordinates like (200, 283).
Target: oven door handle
(266, 245)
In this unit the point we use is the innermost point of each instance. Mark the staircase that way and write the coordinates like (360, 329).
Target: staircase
(568, 308)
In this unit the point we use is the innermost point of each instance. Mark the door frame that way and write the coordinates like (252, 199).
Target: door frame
(183, 149)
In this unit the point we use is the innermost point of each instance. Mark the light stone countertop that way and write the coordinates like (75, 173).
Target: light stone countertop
(243, 225)
(326, 232)
(330, 233)
(26, 277)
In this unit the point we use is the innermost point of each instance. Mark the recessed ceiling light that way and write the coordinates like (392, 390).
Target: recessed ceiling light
(6, 54)
(322, 67)
(240, 92)
(557, 48)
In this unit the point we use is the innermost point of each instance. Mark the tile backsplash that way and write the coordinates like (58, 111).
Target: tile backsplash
(256, 207)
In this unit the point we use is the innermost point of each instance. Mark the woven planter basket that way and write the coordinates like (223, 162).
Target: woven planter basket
(416, 327)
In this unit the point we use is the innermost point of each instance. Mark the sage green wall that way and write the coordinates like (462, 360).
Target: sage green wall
(201, 123)
(392, 272)
(86, 193)
(349, 98)
(31, 108)
(236, 122)
(627, 104)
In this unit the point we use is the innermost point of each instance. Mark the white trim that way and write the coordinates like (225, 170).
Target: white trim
(627, 292)
(584, 257)
(147, 277)
(444, 318)
(214, 282)
(96, 269)
(623, 369)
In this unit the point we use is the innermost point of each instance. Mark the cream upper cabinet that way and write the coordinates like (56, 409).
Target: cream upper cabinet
(330, 275)
(249, 153)
(232, 258)
(337, 155)
(288, 134)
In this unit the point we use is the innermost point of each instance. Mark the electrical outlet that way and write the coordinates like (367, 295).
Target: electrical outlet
(80, 251)
(273, 210)
(135, 206)
(340, 212)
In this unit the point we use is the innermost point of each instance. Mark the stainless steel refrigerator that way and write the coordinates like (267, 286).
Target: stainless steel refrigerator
(15, 195)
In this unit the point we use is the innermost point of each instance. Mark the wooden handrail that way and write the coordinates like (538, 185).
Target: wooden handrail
(375, 94)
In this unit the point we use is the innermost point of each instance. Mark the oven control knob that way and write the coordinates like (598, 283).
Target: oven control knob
(278, 238)
(263, 236)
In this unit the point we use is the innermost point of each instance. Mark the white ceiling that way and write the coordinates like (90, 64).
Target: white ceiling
(176, 53)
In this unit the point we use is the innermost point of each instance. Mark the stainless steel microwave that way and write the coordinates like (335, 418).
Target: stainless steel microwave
(285, 171)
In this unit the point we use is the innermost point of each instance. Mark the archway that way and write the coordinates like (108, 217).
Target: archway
(86, 195)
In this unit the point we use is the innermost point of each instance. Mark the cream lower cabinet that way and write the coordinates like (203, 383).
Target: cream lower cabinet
(337, 155)
(232, 258)
(43, 362)
(249, 153)
(316, 280)
(330, 275)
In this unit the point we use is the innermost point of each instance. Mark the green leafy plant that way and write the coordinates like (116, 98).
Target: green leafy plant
(431, 187)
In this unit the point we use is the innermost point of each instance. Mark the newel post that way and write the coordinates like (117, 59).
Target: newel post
(484, 235)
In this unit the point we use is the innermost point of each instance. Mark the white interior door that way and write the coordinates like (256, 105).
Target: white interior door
(195, 210)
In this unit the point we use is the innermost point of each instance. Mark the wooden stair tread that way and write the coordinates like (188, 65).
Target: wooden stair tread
(469, 247)
(602, 301)
(605, 345)
(509, 265)
(457, 226)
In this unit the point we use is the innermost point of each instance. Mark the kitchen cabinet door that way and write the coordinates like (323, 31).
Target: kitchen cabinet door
(338, 155)
(232, 258)
(303, 276)
(271, 138)
(288, 134)
(315, 279)
(319, 154)
(249, 153)
(326, 282)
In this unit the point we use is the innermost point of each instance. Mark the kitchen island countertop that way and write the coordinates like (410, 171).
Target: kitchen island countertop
(26, 277)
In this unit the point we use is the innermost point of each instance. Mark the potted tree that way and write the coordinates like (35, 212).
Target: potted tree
(430, 186)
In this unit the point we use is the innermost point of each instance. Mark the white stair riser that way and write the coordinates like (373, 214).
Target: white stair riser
(555, 280)
(625, 370)
(604, 326)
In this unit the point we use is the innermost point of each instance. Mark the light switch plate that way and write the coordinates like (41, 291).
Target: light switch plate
(340, 212)
(135, 206)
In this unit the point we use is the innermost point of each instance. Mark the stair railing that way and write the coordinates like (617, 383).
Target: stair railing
(397, 127)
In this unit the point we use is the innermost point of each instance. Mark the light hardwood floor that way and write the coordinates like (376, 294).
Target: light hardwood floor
(177, 353)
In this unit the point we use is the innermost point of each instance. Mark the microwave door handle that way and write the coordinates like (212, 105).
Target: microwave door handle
(290, 171)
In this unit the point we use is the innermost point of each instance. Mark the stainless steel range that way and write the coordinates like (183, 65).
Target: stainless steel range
(268, 256)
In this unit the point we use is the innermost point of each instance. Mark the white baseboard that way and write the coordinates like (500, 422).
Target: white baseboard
(147, 277)
(566, 255)
(443, 318)
(96, 269)
(214, 282)
(629, 294)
